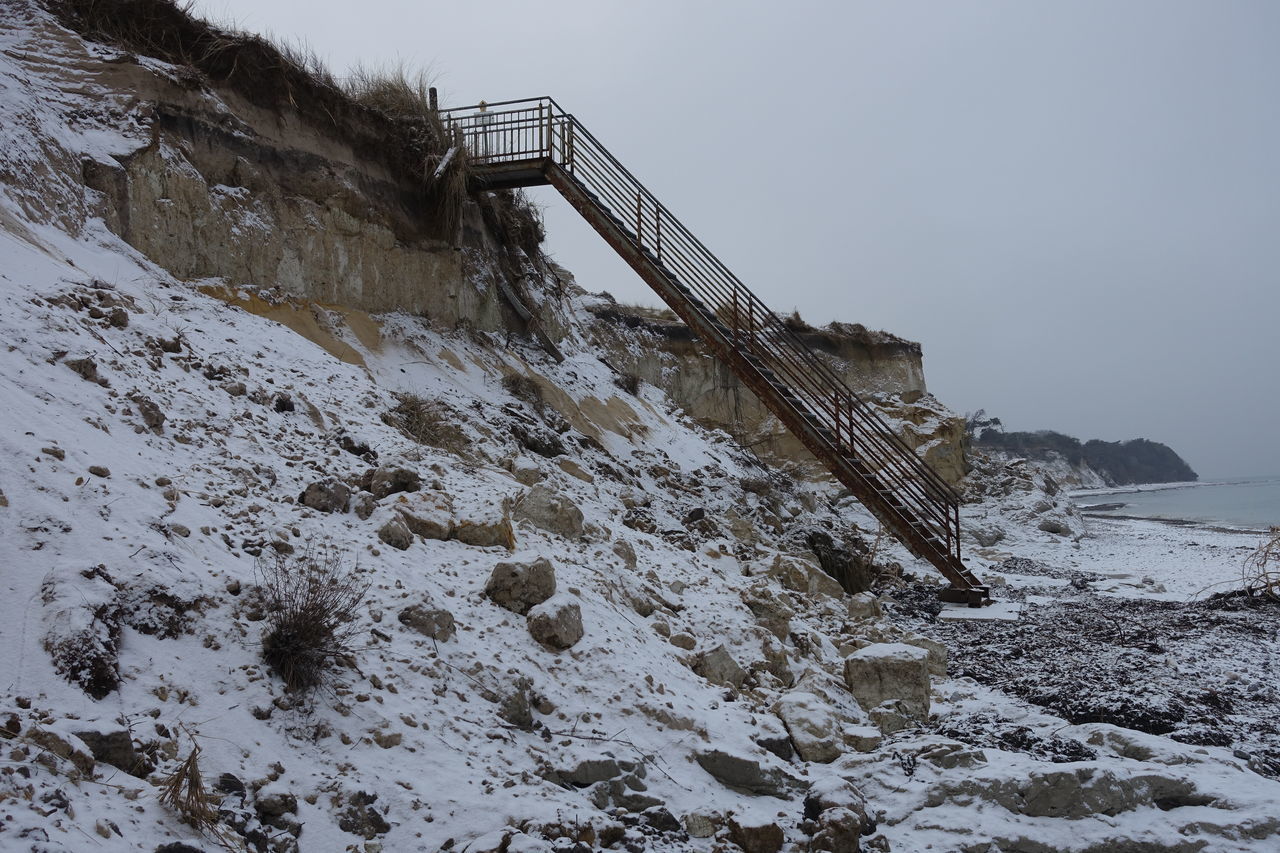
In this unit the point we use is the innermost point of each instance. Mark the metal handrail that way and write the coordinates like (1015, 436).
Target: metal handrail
(516, 131)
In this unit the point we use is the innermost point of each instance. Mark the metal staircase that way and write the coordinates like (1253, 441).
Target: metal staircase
(534, 142)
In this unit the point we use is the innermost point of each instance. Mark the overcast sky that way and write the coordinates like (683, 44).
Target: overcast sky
(1073, 206)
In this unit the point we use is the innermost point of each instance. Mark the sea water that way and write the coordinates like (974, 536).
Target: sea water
(1249, 503)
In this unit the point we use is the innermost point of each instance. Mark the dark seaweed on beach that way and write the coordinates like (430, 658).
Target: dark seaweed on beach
(1199, 672)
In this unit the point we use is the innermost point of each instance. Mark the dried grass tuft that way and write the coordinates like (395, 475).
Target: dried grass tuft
(312, 599)
(523, 388)
(428, 422)
(183, 791)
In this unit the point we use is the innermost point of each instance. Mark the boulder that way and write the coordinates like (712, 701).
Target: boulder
(433, 622)
(544, 508)
(839, 831)
(326, 496)
(890, 671)
(389, 480)
(556, 623)
(719, 667)
(1055, 525)
(937, 652)
(700, 825)
(770, 608)
(803, 576)
(623, 551)
(865, 607)
(428, 514)
(746, 775)
(812, 726)
(396, 534)
(485, 526)
(115, 747)
(755, 834)
(520, 586)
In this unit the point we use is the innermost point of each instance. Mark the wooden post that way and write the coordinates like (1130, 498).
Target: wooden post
(433, 99)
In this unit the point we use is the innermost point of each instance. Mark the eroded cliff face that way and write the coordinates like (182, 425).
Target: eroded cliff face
(885, 370)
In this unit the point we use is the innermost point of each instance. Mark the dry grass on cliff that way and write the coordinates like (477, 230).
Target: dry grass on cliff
(384, 115)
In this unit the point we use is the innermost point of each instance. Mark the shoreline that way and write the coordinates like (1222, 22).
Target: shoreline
(1183, 523)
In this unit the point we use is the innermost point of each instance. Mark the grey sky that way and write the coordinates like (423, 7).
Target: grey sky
(1073, 206)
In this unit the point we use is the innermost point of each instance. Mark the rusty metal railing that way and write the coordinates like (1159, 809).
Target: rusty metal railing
(514, 133)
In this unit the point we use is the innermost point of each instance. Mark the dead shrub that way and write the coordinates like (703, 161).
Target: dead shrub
(311, 599)
(428, 422)
(523, 388)
(1262, 568)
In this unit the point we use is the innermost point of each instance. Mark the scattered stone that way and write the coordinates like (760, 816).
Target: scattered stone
(389, 480)
(428, 514)
(115, 748)
(811, 725)
(180, 530)
(865, 607)
(684, 641)
(86, 369)
(486, 527)
(755, 835)
(151, 414)
(887, 671)
(396, 534)
(56, 452)
(235, 389)
(433, 622)
(770, 608)
(364, 505)
(516, 706)
(520, 586)
(802, 576)
(1055, 526)
(745, 775)
(700, 825)
(326, 496)
(63, 748)
(987, 536)
(719, 667)
(839, 830)
(556, 623)
(863, 738)
(592, 770)
(937, 652)
(387, 740)
(625, 552)
(542, 507)
(99, 471)
(361, 818)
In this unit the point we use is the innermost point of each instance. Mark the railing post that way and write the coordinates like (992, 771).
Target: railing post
(657, 225)
(736, 322)
(545, 129)
(639, 219)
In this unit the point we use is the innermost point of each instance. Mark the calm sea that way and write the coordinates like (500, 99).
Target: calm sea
(1252, 502)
